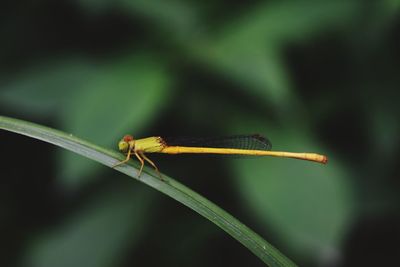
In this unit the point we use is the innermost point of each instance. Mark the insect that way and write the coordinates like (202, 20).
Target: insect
(251, 145)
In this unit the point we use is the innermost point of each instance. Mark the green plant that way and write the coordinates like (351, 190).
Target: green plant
(261, 248)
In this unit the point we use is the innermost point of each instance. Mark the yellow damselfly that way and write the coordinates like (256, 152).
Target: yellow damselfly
(251, 145)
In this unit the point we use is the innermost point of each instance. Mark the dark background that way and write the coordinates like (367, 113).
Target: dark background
(313, 76)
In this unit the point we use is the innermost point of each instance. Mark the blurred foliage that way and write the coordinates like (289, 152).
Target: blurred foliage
(103, 230)
(316, 76)
(303, 191)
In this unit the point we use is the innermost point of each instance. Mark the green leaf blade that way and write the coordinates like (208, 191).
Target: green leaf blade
(261, 248)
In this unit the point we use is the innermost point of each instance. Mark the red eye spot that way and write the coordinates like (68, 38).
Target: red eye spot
(128, 138)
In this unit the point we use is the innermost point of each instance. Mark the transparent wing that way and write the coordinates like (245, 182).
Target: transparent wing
(252, 142)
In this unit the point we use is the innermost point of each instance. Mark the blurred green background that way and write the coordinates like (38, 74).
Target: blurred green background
(315, 76)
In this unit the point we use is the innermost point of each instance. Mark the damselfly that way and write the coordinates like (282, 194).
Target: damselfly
(251, 145)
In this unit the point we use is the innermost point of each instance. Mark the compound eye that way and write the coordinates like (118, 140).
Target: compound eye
(123, 146)
(127, 138)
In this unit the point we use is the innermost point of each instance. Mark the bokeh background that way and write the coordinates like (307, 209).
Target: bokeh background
(316, 76)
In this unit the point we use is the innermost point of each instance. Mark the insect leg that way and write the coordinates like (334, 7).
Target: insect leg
(141, 162)
(151, 163)
(128, 156)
